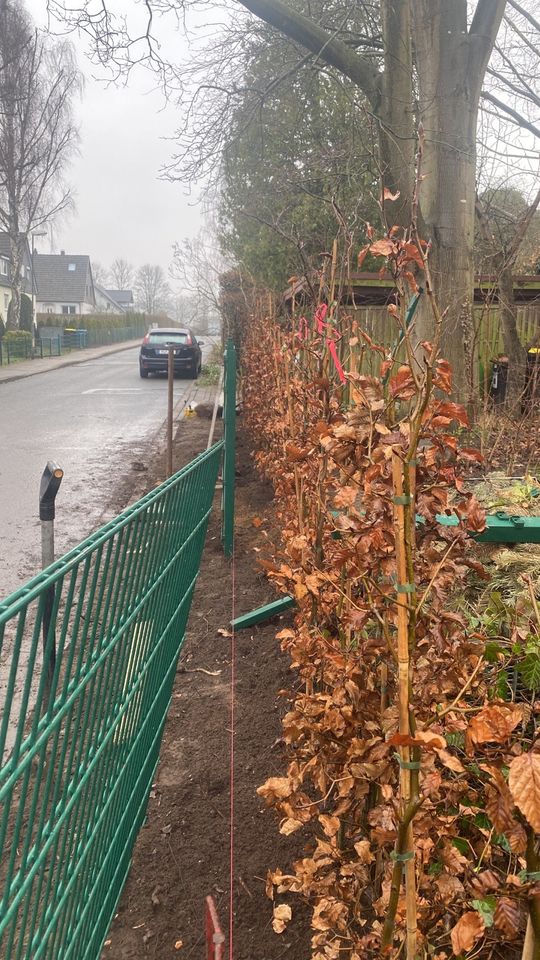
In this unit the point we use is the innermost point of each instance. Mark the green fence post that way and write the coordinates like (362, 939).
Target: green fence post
(229, 459)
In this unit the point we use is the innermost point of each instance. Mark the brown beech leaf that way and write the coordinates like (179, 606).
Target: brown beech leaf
(286, 634)
(388, 195)
(423, 739)
(295, 453)
(494, 723)
(524, 783)
(363, 254)
(449, 887)
(485, 882)
(466, 932)
(499, 806)
(363, 849)
(451, 762)
(330, 825)
(507, 917)
(454, 411)
(402, 384)
(275, 788)
(476, 516)
(290, 825)
(282, 915)
(412, 253)
(517, 838)
(443, 376)
(469, 453)
(382, 248)
(327, 913)
(454, 861)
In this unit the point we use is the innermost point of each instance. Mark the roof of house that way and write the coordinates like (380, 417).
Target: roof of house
(56, 281)
(108, 295)
(123, 297)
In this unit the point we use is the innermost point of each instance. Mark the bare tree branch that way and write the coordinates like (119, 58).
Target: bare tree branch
(525, 13)
(517, 117)
(318, 41)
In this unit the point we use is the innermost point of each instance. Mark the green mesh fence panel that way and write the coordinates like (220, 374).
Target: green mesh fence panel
(78, 759)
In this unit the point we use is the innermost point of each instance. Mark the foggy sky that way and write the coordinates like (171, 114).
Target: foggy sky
(122, 209)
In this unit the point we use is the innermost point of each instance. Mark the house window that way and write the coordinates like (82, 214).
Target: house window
(3, 267)
(72, 266)
(67, 309)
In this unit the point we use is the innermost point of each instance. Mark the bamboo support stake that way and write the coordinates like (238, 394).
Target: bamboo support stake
(528, 944)
(405, 601)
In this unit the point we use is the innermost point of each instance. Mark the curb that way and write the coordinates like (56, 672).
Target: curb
(70, 361)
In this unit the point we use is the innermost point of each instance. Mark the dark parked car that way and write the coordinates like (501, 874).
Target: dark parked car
(154, 353)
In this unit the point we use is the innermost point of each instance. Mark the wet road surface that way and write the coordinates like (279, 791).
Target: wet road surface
(96, 420)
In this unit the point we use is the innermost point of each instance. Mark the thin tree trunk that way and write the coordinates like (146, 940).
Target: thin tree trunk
(16, 250)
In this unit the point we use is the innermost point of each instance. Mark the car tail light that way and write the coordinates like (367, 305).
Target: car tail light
(188, 340)
(146, 338)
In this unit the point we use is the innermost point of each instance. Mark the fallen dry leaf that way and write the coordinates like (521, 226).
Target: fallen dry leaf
(494, 723)
(524, 783)
(466, 932)
(282, 915)
(290, 825)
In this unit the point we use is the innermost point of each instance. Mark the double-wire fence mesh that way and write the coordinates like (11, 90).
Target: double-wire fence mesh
(88, 654)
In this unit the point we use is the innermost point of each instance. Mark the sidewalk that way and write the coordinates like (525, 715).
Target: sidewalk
(28, 368)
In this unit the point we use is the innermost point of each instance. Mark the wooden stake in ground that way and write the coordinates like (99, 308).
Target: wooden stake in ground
(405, 601)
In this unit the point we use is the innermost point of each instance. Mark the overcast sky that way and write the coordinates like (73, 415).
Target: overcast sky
(123, 209)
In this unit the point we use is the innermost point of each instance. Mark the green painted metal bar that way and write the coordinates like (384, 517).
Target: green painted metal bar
(229, 459)
(263, 613)
(501, 528)
(75, 772)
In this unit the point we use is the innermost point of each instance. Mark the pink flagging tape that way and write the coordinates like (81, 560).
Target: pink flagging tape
(320, 315)
(214, 935)
(332, 336)
(335, 358)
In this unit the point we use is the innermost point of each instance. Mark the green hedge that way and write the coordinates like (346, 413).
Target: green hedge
(95, 321)
(17, 336)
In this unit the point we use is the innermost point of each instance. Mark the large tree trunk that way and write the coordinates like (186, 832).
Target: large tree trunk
(448, 107)
(397, 135)
(451, 59)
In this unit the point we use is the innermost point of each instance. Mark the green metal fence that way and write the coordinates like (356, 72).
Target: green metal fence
(79, 759)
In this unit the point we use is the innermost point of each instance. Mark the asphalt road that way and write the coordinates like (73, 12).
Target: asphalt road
(96, 420)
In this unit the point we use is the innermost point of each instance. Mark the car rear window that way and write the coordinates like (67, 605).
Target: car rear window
(163, 337)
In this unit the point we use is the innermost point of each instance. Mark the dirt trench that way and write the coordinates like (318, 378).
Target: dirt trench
(182, 853)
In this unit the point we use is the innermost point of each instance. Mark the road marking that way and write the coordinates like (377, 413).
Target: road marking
(113, 390)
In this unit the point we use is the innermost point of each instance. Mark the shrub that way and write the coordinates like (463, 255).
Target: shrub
(27, 314)
(95, 321)
(17, 336)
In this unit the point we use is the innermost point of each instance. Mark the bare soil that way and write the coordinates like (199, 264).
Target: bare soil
(183, 851)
